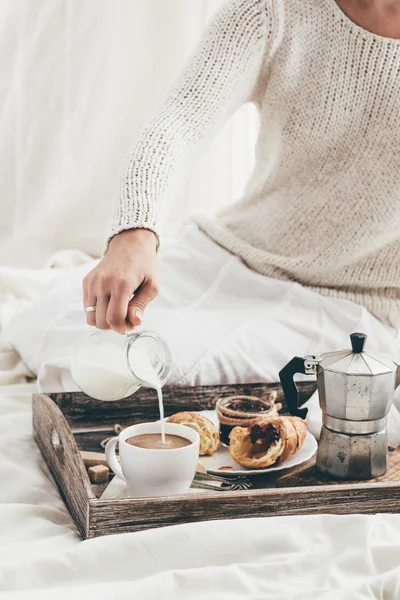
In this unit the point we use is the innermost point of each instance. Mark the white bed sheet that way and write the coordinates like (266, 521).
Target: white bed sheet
(41, 555)
(223, 322)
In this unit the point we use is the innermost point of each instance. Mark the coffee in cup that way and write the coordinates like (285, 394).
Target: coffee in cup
(153, 441)
(148, 468)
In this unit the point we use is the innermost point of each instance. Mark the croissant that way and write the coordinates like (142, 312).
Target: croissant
(267, 442)
(209, 436)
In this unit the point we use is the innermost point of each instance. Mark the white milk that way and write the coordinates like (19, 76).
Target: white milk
(143, 368)
(100, 371)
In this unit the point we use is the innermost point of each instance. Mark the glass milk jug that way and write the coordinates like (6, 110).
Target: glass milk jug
(108, 366)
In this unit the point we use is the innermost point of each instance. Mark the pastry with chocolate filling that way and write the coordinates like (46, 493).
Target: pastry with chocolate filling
(244, 411)
(267, 442)
(208, 433)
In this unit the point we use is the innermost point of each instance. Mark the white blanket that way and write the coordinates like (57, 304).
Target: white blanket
(298, 557)
(223, 322)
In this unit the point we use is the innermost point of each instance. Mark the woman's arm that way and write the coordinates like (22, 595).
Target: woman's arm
(221, 76)
(223, 73)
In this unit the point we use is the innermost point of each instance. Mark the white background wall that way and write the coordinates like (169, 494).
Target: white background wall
(78, 80)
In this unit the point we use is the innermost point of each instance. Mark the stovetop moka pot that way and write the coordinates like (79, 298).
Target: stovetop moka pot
(355, 392)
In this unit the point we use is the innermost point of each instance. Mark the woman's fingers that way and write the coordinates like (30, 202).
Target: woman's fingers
(91, 316)
(129, 265)
(103, 284)
(148, 291)
(115, 307)
(101, 311)
(118, 310)
(89, 300)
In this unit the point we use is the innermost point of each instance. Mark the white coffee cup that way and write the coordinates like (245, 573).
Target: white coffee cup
(149, 472)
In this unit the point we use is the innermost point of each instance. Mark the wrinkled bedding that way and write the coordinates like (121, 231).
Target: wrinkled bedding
(41, 555)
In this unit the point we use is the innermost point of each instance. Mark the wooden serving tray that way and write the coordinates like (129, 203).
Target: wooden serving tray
(64, 424)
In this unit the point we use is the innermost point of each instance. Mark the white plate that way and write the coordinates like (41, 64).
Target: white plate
(222, 458)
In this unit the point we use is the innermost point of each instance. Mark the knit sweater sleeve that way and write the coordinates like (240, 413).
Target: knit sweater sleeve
(221, 75)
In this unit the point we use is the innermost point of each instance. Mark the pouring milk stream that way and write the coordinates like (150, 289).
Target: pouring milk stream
(110, 367)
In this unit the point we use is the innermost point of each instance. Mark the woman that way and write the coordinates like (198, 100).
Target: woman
(322, 207)
(311, 252)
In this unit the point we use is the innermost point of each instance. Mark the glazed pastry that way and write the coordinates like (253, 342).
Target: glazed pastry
(244, 411)
(301, 430)
(209, 437)
(267, 442)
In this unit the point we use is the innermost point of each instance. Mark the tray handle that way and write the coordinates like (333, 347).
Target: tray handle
(58, 447)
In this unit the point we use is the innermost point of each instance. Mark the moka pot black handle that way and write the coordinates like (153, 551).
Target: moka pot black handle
(290, 391)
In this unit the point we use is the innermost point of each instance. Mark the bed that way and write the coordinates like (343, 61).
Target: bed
(41, 555)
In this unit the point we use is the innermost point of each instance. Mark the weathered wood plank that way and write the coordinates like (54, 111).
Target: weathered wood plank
(134, 515)
(91, 441)
(60, 452)
(80, 409)
(308, 475)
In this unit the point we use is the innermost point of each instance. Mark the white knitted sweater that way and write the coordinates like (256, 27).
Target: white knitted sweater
(322, 206)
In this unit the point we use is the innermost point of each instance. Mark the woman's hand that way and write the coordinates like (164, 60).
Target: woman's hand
(129, 267)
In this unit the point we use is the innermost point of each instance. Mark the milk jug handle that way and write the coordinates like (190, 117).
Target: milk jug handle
(290, 391)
